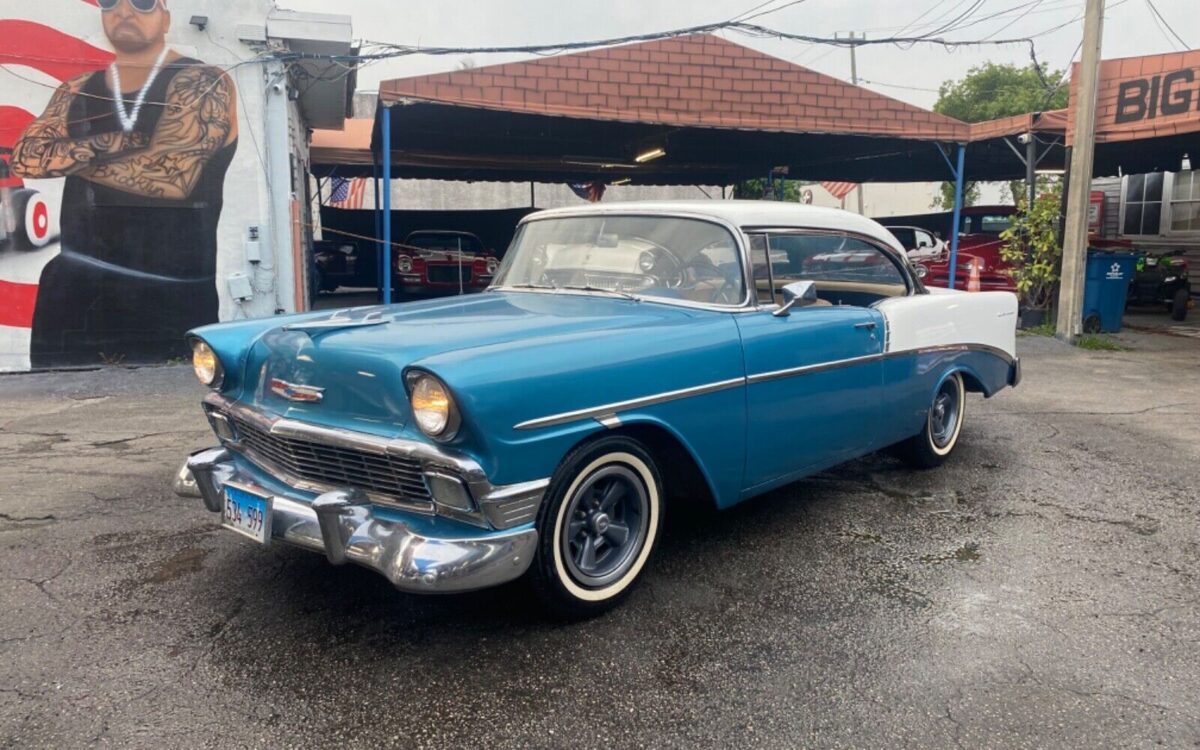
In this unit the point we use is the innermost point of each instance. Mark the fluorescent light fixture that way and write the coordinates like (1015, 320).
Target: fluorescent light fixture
(595, 161)
(650, 155)
(1051, 171)
(622, 181)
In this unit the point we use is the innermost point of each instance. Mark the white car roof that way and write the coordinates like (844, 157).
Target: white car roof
(742, 213)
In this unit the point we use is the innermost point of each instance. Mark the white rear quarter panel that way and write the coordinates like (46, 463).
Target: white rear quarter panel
(946, 316)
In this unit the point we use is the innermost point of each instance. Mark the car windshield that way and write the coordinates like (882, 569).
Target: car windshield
(986, 223)
(446, 242)
(645, 256)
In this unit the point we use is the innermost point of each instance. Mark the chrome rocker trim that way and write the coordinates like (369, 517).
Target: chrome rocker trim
(342, 524)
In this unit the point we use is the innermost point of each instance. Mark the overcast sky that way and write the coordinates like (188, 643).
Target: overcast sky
(911, 75)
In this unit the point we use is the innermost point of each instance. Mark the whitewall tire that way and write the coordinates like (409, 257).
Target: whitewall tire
(598, 526)
(943, 425)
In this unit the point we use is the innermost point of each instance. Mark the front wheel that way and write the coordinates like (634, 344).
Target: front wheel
(1179, 304)
(943, 423)
(597, 528)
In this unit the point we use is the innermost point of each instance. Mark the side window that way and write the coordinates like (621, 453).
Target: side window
(831, 260)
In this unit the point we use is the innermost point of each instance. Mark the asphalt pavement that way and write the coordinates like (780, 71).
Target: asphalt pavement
(1040, 590)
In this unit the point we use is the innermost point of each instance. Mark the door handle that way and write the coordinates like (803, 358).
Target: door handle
(868, 326)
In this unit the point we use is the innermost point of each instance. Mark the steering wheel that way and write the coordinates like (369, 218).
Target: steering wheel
(700, 268)
(672, 276)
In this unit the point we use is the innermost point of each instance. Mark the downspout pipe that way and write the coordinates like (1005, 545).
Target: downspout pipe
(279, 183)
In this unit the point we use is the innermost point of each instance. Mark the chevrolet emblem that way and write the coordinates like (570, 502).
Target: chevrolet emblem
(297, 392)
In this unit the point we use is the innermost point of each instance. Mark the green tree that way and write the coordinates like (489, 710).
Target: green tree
(945, 197)
(753, 189)
(989, 92)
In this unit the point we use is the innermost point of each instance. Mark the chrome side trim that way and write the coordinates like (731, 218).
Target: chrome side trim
(762, 377)
(985, 348)
(611, 421)
(608, 416)
(633, 403)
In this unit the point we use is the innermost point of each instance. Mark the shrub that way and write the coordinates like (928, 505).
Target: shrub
(1031, 249)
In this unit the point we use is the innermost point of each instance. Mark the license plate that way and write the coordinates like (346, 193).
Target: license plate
(247, 512)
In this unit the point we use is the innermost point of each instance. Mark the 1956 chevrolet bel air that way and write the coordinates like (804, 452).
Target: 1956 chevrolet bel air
(626, 357)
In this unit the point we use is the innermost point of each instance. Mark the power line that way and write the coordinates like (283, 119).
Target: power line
(1159, 16)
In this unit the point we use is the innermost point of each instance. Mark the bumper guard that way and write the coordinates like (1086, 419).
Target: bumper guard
(343, 525)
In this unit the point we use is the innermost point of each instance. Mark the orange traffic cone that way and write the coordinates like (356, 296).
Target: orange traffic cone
(973, 281)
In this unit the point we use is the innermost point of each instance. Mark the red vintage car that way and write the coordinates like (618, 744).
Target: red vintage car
(436, 262)
(979, 244)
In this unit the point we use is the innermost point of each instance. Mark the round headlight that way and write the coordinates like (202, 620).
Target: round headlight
(404, 263)
(492, 265)
(646, 262)
(206, 364)
(922, 271)
(432, 406)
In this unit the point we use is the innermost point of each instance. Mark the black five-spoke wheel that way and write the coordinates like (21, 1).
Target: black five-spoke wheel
(943, 415)
(607, 521)
(933, 445)
(597, 527)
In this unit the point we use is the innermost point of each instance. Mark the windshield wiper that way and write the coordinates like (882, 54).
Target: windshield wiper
(527, 286)
(590, 288)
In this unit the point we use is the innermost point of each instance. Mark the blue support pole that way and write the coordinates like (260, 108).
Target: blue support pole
(958, 198)
(378, 222)
(386, 250)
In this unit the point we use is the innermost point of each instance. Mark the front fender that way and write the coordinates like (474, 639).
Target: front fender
(500, 386)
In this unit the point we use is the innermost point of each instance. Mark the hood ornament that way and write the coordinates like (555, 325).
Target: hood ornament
(341, 319)
(309, 394)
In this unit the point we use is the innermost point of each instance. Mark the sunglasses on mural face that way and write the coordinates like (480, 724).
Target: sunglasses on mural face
(141, 6)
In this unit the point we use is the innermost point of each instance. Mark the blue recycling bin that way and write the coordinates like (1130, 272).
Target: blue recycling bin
(1105, 287)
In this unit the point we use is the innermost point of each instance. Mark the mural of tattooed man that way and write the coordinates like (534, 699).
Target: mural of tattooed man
(144, 146)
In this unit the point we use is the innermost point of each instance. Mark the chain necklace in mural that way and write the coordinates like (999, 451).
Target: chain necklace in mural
(130, 118)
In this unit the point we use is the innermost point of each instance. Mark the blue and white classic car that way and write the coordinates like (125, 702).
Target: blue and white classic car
(626, 357)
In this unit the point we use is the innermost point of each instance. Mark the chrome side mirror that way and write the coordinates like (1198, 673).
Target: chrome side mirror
(797, 293)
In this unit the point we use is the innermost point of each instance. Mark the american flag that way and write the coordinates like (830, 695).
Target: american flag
(839, 190)
(346, 193)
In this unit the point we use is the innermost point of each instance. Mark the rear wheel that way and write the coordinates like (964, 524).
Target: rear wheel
(597, 528)
(943, 423)
(33, 219)
(1179, 304)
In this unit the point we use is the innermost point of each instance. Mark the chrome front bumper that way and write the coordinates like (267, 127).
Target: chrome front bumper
(343, 525)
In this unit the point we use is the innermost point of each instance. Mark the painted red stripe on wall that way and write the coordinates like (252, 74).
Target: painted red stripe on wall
(49, 50)
(13, 121)
(16, 304)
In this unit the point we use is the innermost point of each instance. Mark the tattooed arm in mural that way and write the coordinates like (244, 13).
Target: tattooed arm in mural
(46, 148)
(199, 118)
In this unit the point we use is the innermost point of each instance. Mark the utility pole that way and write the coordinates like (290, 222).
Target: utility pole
(1074, 260)
(854, 79)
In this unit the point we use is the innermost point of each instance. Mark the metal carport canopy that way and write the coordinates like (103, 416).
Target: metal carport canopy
(722, 113)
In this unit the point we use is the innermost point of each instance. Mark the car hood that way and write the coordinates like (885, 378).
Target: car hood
(359, 367)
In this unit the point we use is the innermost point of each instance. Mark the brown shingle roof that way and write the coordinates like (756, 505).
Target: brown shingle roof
(698, 81)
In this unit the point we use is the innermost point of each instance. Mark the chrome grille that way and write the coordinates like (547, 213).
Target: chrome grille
(375, 473)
